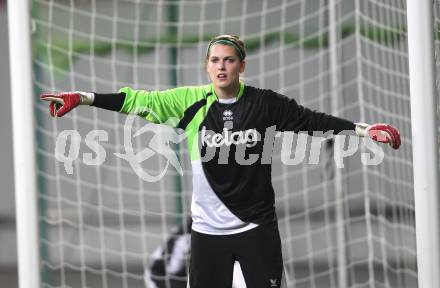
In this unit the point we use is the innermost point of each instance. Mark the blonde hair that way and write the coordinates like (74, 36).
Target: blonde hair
(230, 40)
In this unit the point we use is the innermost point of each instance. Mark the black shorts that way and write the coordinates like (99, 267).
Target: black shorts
(257, 250)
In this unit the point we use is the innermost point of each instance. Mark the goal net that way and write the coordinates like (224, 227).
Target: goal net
(100, 216)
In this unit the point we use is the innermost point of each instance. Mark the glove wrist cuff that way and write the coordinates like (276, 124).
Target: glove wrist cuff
(86, 98)
(361, 129)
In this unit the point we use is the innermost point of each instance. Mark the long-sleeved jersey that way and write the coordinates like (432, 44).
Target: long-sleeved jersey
(232, 187)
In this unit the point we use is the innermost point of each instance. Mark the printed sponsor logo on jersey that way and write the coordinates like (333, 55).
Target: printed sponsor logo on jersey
(227, 137)
(227, 115)
(273, 282)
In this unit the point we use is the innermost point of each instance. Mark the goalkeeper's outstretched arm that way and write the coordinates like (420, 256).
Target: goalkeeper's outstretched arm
(288, 115)
(380, 132)
(64, 102)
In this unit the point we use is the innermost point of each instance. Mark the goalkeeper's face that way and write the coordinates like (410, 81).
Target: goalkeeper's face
(224, 66)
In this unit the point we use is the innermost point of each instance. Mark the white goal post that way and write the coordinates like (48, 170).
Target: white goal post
(424, 111)
(23, 133)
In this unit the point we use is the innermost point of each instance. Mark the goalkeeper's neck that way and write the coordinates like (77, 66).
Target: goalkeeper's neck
(227, 92)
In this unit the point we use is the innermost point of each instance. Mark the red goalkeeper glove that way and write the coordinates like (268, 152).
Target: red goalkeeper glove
(61, 103)
(380, 132)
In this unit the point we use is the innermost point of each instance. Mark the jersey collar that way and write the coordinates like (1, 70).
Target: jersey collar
(240, 92)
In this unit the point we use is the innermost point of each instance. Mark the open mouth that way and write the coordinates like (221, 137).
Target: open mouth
(221, 76)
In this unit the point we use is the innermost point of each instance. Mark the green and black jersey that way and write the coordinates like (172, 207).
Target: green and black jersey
(232, 187)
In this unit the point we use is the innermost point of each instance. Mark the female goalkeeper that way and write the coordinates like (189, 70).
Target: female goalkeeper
(232, 206)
